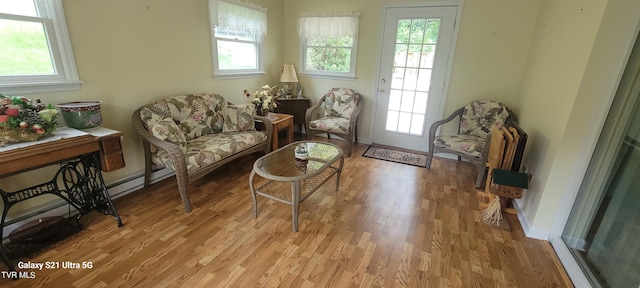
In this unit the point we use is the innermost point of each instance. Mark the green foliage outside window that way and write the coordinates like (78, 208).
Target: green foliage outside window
(329, 54)
(24, 49)
(418, 31)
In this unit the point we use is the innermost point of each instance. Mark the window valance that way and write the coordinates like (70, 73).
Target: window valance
(336, 25)
(235, 15)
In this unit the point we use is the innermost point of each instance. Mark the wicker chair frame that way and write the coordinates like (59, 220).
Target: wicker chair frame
(353, 124)
(479, 162)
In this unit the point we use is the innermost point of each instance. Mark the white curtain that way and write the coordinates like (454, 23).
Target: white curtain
(241, 17)
(336, 25)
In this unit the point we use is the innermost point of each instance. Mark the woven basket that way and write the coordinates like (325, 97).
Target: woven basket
(506, 191)
(8, 136)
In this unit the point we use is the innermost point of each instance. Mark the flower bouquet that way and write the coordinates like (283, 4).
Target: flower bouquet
(24, 120)
(264, 100)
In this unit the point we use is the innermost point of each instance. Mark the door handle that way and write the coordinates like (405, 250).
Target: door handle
(381, 90)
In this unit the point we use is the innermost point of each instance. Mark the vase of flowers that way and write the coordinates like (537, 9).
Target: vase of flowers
(24, 120)
(264, 99)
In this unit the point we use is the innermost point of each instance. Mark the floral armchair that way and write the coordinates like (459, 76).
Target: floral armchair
(341, 109)
(474, 130)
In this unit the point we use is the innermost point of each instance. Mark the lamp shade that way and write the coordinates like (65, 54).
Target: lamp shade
(288, 74)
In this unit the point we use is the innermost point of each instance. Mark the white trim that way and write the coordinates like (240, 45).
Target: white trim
(60, 208)
(529, 231)
(43, 87)
(333, 76)
(240, 75)
(570, 265)
(62, 35)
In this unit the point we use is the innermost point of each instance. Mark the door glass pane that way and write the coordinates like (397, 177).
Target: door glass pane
(400, 58)
(420, 105)
(417, 30)
(395, 96)
(428, 53)
(417, 123)
(24, 49)
(424, 80)
(407, 101)
(404, 123)
(410, 79)
(404, 29)
(397, 78)
(414, 55)
(431, 35)
(392, 120)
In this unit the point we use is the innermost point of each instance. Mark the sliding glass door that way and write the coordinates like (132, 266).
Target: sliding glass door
(603, 230)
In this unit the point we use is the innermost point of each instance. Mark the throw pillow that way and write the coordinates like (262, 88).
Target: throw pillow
(166, 129)
(238, 118)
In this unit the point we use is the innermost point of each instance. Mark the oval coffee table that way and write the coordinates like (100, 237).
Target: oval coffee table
(280, 168)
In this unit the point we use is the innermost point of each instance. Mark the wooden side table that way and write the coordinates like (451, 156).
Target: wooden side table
(296, 107)
(284, 121)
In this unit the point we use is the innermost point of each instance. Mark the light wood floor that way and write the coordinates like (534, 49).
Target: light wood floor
(389, 225)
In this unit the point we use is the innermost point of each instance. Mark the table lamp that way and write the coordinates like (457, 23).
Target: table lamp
(287, 76)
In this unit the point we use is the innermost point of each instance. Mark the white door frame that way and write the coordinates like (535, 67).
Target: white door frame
(453, 3)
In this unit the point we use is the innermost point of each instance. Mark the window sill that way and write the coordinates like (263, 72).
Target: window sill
(327, 76)
(42, 87)
(238, 75)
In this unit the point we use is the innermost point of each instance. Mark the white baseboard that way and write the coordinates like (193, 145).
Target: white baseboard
(529, 231)
(62, 208)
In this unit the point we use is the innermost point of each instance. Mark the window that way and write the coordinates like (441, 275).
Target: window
(236, 42)
(329, 44)
(35, 50)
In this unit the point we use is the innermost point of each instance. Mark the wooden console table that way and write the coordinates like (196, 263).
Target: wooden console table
(82, 155)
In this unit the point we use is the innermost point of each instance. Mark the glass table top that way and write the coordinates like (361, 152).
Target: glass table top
(283, 163)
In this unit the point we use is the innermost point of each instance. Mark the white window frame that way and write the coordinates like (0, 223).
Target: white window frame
(233, 73)
(304, 40)
(65, 77)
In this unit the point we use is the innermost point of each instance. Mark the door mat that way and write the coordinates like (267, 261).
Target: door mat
(390, 154)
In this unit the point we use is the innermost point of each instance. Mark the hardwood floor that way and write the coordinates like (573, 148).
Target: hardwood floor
(389, 225)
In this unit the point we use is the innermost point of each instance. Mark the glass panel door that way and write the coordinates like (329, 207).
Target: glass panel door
(603, 230)
(413, 66)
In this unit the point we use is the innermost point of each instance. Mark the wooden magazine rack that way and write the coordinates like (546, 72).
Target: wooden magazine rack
(504, 179)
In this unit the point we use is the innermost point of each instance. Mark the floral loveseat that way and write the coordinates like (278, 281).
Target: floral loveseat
(195, 134)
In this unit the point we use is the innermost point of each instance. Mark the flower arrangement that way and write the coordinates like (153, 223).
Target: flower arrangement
(23, 119)
(264, 99)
